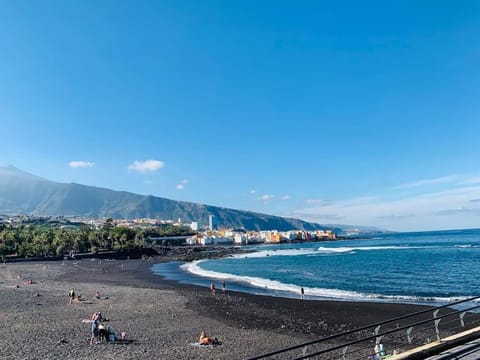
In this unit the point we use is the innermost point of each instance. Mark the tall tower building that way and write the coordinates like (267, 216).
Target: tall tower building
(212, 223)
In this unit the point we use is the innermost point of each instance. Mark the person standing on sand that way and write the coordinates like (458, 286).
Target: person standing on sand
(224, 287)
(212, 288)
(71, 295)
(302, 293)
(95, 324)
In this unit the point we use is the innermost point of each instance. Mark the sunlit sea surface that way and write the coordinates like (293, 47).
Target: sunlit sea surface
(427, 267)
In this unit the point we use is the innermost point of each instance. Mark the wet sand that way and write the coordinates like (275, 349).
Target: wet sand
(161, 318)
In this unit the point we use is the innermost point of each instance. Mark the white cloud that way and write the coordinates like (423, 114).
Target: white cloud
(147, 165)
(285, 197)
(427, 182)
(316, 202)
(454, 206)
(266, 198)
(80, 164)
(182, 184)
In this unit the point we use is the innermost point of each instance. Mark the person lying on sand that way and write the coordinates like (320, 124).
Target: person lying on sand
(205, 340)
(78, 299)
(100, 297)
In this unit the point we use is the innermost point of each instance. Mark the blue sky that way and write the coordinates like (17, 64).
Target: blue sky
(344, 112)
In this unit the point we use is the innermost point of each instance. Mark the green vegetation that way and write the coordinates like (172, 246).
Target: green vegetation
(46, 240)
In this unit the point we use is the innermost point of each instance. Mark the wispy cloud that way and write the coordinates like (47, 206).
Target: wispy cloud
(427, 182)
(454, 205)
(460, 211)
(318, 218)
(185, 181)
(396, 217)
(285, 197)
(146, 166)
(253, 191)
(318, 202)
(266, 198)
(80, 164)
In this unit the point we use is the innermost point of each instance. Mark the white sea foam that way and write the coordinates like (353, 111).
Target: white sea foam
(282, 252)
(274, 285)
(320, 250)
(324, 249)
(321, 293)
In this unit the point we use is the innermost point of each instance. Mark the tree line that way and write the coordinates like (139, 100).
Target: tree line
(28, 240)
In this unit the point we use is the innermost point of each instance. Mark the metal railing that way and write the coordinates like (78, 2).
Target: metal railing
(398, 335)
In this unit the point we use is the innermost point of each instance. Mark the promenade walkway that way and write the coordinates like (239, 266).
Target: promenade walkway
(450, 331)
(468, 348)
(469, 351)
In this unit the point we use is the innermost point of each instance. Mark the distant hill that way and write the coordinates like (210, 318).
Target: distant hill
(24, 193)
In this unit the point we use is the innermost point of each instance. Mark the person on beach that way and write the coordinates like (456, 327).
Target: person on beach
(71, 295)
(212, 288)
(95, 325)
(205, 340)
(302, 293)
(224, 287)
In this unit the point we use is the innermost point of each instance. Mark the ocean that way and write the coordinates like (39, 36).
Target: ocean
(425, 267)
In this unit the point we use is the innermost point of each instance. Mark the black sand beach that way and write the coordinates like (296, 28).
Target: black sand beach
(161, 318)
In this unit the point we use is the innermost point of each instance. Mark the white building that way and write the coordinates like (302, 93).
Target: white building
(194, 226)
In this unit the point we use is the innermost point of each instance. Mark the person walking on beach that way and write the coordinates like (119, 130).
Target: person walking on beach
(302, 293)
(224, 287)
(212, 288)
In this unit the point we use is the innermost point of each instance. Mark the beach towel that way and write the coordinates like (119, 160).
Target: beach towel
(197, 344)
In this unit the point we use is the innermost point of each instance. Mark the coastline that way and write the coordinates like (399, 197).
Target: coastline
(162, 317)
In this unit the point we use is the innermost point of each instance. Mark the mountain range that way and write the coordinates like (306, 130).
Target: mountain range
(25, 193)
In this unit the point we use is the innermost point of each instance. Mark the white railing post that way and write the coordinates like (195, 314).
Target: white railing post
(409, 333)
(436, 322)
(304, 352)
(378, 339)
(462, 315)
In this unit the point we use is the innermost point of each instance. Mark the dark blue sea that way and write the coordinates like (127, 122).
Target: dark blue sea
(426, 267)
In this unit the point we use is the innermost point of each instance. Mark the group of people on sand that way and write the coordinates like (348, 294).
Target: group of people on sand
(100, 332)
(212, 287)
(73, 297)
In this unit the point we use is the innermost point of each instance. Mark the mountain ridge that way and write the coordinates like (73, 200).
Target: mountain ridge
(25, 193)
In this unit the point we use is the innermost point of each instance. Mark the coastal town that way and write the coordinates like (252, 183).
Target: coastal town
(189, 233)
